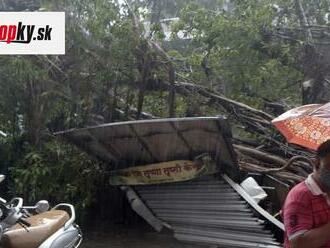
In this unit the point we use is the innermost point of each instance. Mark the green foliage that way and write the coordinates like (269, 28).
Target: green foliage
(230, 50)
(238, 54)
(58, 173)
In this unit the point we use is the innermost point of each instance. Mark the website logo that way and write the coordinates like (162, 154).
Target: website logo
(32, 33)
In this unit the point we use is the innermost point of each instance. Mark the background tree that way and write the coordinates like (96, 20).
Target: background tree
(124, 61)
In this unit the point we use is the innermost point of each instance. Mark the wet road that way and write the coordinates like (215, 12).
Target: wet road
(131, 238)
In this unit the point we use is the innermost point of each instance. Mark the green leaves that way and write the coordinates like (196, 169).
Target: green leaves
(239, 52)
(227, 46)
(59, 173)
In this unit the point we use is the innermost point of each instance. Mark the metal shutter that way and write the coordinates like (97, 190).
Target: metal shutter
(207, 211)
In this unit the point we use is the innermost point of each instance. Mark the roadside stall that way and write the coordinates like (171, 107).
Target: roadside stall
(182, 174)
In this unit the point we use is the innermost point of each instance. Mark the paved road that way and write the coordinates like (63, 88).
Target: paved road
(131, 238)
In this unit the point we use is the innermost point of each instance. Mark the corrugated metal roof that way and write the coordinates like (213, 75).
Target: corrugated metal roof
(212, 211)
(125, 144)
(207, 211)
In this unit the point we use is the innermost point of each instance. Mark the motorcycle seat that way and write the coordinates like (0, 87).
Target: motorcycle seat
(42, 227)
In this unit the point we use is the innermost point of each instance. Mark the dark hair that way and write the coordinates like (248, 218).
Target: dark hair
(323, 149)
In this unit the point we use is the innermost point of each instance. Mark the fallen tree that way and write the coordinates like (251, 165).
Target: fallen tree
(266, 153)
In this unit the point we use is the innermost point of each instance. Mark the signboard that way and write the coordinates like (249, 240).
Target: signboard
(166, 172)
(32, 32)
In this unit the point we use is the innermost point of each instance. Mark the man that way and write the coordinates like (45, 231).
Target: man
(306, 211)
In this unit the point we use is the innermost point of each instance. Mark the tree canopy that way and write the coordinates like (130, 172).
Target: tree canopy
(149, 58)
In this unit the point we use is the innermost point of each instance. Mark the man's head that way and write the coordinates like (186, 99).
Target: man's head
(322, 166)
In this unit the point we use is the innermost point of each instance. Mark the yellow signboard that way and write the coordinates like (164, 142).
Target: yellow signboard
(172, 171)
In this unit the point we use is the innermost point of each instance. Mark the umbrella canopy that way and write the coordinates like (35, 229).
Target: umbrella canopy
(307, 125)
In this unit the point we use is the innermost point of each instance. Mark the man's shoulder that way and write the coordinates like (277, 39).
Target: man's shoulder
(298, 193)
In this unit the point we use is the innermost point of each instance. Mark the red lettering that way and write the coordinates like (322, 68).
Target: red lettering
(11, 33)
(3, 32)
(8, 33)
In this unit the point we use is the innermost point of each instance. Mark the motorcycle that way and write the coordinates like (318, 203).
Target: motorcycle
(37, 226)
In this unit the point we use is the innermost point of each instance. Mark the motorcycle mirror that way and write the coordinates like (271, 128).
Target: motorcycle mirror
(2, 177)
(42, 206)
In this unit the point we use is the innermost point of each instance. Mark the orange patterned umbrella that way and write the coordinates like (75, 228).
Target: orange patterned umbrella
(307, 125)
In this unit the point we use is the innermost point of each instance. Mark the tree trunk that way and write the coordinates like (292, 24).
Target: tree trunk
(140, 102)
(171, 96)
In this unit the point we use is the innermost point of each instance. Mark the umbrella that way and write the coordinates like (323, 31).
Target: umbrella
(307, 125)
